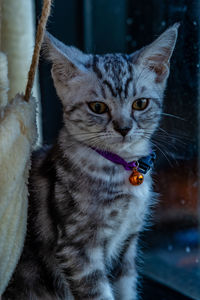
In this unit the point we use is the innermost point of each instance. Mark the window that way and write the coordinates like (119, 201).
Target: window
(172, 253)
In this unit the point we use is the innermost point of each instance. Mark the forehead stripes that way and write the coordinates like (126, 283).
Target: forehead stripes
(115, 72)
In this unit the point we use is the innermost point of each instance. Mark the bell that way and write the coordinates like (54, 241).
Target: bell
(136, 177)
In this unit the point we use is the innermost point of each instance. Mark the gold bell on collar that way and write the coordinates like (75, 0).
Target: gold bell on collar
(136, 178)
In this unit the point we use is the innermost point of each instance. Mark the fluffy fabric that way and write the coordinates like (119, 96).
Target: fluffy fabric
(17, 130)
(17, 41)
(17, 136)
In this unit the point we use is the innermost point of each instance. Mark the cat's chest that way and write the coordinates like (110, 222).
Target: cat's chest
(128, 221)
(107, 200)
(124, 215)
(113, 199)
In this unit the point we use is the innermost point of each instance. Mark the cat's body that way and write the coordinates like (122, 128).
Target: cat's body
(84, 215)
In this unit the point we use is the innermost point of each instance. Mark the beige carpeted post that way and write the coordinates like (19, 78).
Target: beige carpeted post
(17, 128)
(17, 41)
(17, 137)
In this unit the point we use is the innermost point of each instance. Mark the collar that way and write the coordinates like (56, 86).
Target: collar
(143, 165)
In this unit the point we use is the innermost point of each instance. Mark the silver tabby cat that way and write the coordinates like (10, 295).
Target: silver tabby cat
(84, 215)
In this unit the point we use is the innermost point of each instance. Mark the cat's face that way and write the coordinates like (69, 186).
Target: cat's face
(114, 101)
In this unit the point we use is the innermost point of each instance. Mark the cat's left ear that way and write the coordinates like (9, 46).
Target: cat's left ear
(156, 56)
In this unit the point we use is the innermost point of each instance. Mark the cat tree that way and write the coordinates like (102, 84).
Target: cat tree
(18, 132)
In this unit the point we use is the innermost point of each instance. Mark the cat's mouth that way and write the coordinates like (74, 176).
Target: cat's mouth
(123, 140)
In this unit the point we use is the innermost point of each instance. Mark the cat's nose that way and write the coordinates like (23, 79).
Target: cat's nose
(122, 130)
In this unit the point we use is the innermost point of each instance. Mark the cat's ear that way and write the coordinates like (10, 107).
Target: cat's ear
(67, 61)
(156, 56)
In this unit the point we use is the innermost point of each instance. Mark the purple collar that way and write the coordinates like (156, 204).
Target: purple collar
(117, 159)
(143, 165)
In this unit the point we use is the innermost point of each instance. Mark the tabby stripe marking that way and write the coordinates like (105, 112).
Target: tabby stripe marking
(126, 86)
(108, 84)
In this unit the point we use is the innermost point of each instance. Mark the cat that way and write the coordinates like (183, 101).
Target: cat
(84, 215)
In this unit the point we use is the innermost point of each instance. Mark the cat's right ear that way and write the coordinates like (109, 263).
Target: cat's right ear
(67, 62)
(156, 56)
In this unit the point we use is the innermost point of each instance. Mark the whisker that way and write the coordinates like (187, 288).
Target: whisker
(166, 143)
(155, 144)
(165, 138)
(163, 153)
(182, 135)
(172, 116)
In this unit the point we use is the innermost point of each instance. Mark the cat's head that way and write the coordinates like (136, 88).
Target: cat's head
(112, 101)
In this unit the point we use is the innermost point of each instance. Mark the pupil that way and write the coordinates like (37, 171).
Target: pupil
(97, 107)
(140, 103)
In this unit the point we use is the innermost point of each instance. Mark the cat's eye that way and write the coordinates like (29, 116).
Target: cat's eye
(140, 104)
(98, 107)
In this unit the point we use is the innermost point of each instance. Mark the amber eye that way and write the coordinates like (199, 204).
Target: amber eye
(98, 107)
(140, 104)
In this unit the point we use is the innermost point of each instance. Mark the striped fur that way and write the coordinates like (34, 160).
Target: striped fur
(84, 216)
